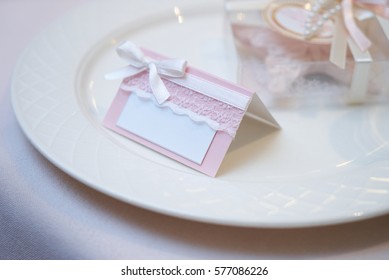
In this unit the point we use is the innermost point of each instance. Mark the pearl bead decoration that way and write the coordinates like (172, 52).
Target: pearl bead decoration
(320, 12)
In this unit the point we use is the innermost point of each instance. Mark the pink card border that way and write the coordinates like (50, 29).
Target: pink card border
(212, 159)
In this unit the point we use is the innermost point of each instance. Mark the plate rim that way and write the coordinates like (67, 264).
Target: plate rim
(70, 170)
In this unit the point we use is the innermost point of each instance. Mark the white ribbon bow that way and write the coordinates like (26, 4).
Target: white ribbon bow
(174, 68)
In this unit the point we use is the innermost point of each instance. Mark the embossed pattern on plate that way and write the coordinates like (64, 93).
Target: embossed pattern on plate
(327, 165)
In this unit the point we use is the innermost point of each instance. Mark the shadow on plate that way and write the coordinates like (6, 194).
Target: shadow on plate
(250, 132)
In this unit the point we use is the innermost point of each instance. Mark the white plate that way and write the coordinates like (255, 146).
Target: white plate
(325, 166)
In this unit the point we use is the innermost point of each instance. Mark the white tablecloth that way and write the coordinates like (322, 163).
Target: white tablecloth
(46, 214)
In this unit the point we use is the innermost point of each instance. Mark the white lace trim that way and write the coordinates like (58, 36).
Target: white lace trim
(228, 117)
(176, 109)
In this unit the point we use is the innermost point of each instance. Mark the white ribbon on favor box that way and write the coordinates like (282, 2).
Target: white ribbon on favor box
(365, 9)
(348, 33)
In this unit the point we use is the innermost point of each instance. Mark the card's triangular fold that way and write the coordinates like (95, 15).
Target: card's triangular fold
(258, 111)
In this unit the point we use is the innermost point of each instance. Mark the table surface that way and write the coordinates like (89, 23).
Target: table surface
(46, 214)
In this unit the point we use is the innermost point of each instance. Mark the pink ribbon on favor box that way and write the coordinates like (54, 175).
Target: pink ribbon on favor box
(378, 7)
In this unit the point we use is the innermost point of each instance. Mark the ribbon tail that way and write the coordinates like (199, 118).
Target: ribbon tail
(338, 51)
(157, 85)
(384, 25)
(360, 81)
(355, 33)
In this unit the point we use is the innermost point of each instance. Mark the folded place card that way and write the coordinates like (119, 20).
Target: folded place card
(178, 111)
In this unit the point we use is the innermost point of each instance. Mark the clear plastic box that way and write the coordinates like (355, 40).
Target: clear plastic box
(287, 70)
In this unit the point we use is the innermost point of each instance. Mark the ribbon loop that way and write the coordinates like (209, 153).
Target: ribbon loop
(129, 52)
(174, 68)
(351, 12)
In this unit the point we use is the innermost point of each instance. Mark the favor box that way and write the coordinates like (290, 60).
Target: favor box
(295, 52)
